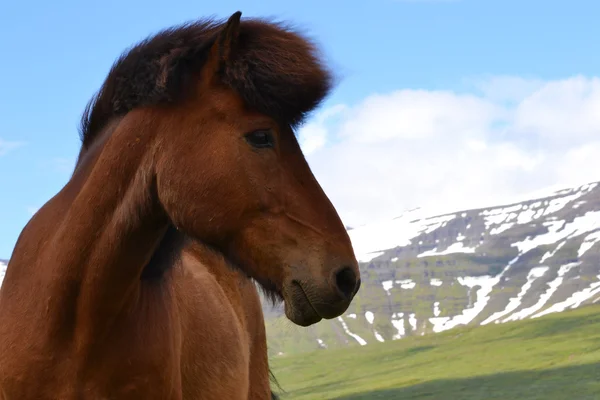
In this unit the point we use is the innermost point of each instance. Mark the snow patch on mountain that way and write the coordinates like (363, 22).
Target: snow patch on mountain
(436, 309)
(589, 242)
(574, 301)
(551, 253)
(368, 241)
(404, 284)
(456, 247)
(360, 340)
(486, 284)
(552, 288)
(559, 230)
(515, 302)
(398, 323)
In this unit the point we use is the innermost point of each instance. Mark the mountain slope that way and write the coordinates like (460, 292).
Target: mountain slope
(474, 267)
(556, 357)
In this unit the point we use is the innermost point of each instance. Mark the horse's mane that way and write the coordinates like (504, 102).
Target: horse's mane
(274, 69)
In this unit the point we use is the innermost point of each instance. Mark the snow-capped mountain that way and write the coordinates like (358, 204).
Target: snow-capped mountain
(424, 274)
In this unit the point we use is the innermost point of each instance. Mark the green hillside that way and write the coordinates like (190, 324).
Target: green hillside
(553, 357)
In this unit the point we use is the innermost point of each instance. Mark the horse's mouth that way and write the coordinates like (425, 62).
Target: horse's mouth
(298, 307)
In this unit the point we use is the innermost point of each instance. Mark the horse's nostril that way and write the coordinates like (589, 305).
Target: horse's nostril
(345, 281)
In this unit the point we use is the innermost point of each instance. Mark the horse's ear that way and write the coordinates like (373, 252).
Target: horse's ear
(224, 47)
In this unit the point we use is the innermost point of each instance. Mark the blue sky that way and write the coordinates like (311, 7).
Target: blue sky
(56, 54)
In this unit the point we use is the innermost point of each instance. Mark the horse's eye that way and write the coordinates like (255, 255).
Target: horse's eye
(260, 139)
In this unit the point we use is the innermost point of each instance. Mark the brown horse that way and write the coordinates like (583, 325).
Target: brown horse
(136, 281)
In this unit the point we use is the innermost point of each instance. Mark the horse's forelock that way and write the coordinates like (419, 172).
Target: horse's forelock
(275, 69)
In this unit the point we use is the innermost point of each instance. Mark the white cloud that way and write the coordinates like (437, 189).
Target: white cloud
(505, 88)
(313, 135)
(450, 151)
(6, 146)
(562, 111)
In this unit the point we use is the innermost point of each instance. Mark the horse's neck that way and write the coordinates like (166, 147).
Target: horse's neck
(108, 224)
(240, 290)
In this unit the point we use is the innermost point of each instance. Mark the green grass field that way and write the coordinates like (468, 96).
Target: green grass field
(551, 358)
